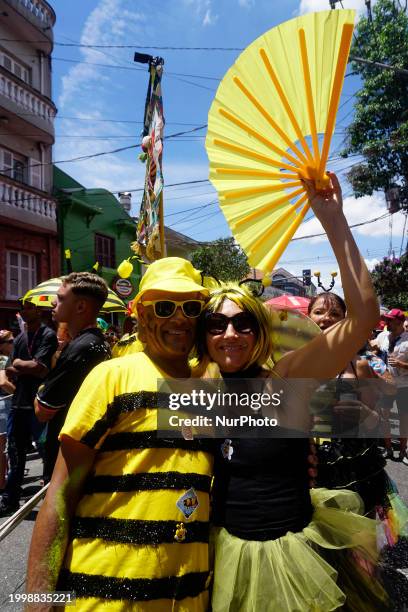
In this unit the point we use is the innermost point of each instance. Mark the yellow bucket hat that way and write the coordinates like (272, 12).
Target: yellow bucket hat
(173, 274)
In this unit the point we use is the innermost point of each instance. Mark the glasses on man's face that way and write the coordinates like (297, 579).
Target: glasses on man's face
(164, 309)
(243, 322)
(6, 342)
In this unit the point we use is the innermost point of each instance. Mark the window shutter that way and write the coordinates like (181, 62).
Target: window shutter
(21, 273)
(7, 63)
(35, 174)
(6, 162)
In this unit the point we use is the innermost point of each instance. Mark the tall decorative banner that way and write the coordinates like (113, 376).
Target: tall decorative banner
(150, 228)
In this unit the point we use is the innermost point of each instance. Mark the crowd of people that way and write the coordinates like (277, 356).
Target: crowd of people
(133, 520)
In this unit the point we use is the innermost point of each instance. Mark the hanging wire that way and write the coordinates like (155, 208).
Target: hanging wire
(390, 230)
(403, 233)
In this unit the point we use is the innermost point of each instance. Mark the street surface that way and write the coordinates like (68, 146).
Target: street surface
(14, 548)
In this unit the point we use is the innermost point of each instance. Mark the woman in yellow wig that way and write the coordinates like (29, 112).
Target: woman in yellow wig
(272, 533)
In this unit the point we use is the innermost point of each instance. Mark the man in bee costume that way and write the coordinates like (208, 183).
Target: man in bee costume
(124, 524)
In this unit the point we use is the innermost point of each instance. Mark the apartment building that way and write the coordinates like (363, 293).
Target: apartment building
(28, 222)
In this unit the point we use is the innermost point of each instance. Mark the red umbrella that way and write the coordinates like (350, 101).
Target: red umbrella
(290, 302)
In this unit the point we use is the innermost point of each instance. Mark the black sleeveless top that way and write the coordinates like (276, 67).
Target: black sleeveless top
(261, 486)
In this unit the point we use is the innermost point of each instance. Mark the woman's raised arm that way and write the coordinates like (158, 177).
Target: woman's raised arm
(328, 354)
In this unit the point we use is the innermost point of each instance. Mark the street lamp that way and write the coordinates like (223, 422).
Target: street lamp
(319, 283)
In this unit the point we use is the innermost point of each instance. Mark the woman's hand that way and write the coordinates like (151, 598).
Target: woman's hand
(326, 203)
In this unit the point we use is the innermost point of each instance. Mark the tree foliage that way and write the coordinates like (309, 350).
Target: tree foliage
(390, 279)
(379, 131)
(222, 259)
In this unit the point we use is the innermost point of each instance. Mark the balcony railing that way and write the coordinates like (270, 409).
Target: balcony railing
(39, 9)
(25, 200)
(23, 95)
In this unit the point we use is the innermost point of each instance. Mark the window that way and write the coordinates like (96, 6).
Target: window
(105, 251)
(16, 68)
(13, 165)
(21, 169)
(21, 273)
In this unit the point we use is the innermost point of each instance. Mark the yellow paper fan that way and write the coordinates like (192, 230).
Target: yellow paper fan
(263, 126)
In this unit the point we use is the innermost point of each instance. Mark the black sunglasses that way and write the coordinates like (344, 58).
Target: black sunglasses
(243, 323)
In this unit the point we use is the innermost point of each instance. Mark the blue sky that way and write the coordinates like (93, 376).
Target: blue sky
(99, 107)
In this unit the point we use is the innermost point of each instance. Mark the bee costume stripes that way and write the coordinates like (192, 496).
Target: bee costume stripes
(139, 537)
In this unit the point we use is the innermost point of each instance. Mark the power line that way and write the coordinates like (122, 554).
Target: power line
(351, 226)
(159, 48)
(189, 196)
(324, 233)
(189, 217)
(402, 71)
(182, 74)
(95, 120)
(118, 150)
(98, 195)
(347, 101)
(199, 219)
(322, 259)
(188, 184)
(403, 235)
(180, 212)
(128, 136)
(210, 215)
(103, 136)
(108, 120)
(382, 65)
(195, 84)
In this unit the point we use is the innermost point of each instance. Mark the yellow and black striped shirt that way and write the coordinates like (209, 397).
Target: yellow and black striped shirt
(127, 346)
(122, 552)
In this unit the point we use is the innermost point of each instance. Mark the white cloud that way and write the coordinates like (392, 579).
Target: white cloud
(359, 210)
(310, 6)
(371, 263)
(109, 22)
(203, 10)
(89, 92)
(209, 19)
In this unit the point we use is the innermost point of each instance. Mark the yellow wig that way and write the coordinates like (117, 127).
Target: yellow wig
(245, 300)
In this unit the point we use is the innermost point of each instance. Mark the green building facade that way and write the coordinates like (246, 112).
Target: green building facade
(95, 227)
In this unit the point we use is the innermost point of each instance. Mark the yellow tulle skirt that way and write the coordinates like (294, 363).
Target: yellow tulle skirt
(331, 564)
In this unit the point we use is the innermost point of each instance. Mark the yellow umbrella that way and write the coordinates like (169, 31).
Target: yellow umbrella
(263, 126)
(45, 293)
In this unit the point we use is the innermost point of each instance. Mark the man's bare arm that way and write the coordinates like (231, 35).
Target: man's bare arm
(43, 413)
(50, 535)
(30, 368)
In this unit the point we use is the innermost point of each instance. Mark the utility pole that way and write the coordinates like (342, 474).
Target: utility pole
(369, 13)
(367, 3)
(402, 8)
